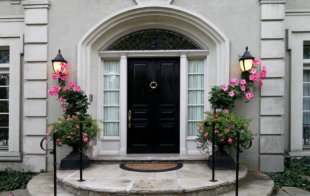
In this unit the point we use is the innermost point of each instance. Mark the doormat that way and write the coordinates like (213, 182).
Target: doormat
(151, 167)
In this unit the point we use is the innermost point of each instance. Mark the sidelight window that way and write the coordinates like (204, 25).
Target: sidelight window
(111, 99)
(195, 94)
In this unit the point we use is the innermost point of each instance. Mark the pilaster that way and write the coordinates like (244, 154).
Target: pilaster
(35, 82)
(272, 93)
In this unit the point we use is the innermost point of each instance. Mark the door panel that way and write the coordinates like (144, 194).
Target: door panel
(155, 112)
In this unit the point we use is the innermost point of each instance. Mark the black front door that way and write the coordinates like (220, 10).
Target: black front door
(153, 105)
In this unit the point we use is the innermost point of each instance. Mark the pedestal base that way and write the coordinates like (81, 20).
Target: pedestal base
(72, 161)
(222, 161)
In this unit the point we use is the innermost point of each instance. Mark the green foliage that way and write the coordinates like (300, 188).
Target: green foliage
(11, 179)
(76, 102)
(68, 128)
(294, 176)
(226, 127)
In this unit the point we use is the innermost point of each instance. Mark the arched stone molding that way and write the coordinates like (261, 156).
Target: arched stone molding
(141, 17)
(169, 17)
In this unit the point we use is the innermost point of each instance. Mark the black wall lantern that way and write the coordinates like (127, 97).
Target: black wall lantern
(246, 64)
(57, 61)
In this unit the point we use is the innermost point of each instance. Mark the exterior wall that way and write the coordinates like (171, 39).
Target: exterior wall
(260, 25)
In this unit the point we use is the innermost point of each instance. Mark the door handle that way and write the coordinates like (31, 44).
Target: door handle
(129, 118)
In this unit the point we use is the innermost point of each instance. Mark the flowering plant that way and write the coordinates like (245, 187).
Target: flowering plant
(224, 96)
(67, 130)
(74, 104)
(226, 126)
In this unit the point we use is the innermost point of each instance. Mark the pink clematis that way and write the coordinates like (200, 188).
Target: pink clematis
(54, 91)
(230, 140)
(233, 81)
(243, 82)
(256, 62)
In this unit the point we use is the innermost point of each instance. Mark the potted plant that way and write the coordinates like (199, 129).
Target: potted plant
(225, 124)
(75, 121)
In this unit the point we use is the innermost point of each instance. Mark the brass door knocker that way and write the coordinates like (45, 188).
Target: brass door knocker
(153, 85)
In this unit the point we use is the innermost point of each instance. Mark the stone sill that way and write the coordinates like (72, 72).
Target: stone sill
(10, 156)
(300, 153)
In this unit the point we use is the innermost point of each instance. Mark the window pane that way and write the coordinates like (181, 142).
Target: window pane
(4, 106)
(111, 129)
(195, 97)
(193, 128)
(4, 92)
(195, 113)
(4, 120)
(111, 98)
(111, 67)
(4, 138)
(111, 113)
(195, 81)
(195, 66)
(306, 52)
(4, 79)
(111, 82)
(4, 55)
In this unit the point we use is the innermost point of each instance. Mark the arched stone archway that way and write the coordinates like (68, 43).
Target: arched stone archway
(142, 17)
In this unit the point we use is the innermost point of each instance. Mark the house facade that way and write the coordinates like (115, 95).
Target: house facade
(147, 67)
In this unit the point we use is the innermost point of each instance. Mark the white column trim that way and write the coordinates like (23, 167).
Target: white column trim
(123, 105)
(183, 103)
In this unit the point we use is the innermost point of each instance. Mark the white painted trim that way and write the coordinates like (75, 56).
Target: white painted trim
(153, 2)
(296, 129)
(12, 18)
(14, 94)
(154, 53)
(191, 24)
(183, 103)
(297, 12)
(123, 105)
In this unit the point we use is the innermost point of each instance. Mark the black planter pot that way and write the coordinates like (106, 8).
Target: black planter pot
(222, 159)
(72, 161)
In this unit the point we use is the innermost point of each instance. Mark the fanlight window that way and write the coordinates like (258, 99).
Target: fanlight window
(154, 39)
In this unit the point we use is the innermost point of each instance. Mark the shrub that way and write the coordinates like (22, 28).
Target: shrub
(11, 179)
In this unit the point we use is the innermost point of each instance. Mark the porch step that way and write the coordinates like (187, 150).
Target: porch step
(191, 180)
(257, 184)
(150, 158)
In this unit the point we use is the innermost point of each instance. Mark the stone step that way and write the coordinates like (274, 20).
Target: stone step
(150, 158)
(191, 180)
(256, 184)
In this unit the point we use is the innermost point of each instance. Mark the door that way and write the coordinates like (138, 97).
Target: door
(153, 105)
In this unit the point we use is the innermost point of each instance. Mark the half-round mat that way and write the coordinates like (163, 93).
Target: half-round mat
(151, 167)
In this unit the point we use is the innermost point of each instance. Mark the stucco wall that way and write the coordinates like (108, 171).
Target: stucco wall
(241, 24)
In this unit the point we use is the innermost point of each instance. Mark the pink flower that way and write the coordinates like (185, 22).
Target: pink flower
(64, 89)
(54, 91)
(64, 108)
(71, 84)
(59, 143)
(230, 140)
(224, 87)
(263, 74)
(226, 111)
(226, 130)
(56, 76)
(242, 88)
(243, 82)
(85, 134)
(62, 100)
(206, 134)
(216, 131)
(76, 88)
(69, 137)
(85, 139)
(253, 71)
(249, 96)
(231, 93)
(233, 81)
(260, 83)
(256, 62)
(253, 77)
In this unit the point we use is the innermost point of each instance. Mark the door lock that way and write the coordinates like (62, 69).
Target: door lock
(153, 85)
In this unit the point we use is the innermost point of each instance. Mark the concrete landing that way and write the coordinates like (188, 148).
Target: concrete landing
(191, 180)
